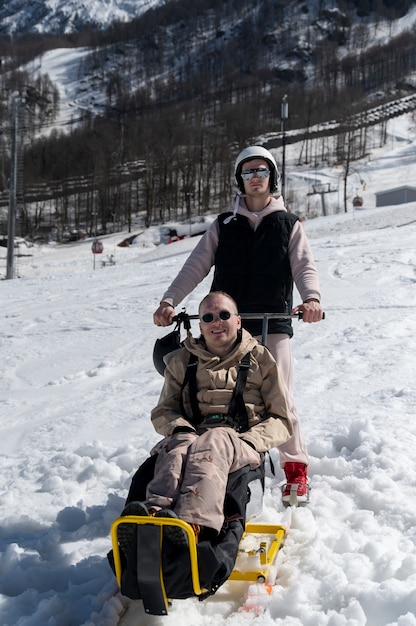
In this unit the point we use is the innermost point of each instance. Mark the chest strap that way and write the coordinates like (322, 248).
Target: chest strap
(237, 415)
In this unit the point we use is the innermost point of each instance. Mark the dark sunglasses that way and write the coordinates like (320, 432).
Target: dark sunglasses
(262, 172)
(207, 318)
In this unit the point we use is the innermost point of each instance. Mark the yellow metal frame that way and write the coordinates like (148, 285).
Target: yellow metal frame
(267, 551)
(158, 521)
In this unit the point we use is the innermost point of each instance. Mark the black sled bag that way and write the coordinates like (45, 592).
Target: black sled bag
(216, 558)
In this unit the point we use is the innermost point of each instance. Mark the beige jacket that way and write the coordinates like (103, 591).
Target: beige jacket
(264, 394)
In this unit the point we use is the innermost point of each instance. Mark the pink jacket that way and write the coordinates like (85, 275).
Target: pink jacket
(201, 259)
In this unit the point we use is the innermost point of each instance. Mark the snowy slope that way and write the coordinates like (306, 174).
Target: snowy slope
(78, 383)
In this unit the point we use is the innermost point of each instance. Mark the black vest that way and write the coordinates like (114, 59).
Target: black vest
(253, 267)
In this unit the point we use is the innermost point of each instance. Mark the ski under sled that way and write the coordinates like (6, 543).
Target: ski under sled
(257, 552)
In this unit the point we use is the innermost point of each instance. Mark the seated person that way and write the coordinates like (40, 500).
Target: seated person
(205, 439)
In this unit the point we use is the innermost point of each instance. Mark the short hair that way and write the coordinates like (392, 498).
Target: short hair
(212, 294)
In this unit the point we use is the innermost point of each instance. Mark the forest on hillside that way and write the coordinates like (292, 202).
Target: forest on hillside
(186, 87)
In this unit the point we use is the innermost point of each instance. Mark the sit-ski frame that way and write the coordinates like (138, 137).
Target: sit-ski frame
(149, 545)
(150, 535)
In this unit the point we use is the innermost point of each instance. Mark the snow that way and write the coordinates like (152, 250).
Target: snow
(78, 384)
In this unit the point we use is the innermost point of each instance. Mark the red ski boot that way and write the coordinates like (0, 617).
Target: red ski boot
(295, 491)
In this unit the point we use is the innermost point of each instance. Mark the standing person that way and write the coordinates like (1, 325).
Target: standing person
(259, 251)
(205, 440)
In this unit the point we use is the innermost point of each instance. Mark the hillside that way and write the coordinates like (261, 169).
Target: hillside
(140, 121)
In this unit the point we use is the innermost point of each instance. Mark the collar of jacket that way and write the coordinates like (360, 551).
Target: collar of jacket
(197, 346)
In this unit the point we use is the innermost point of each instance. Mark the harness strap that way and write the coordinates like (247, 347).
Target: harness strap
(190, 377)
(237, 412)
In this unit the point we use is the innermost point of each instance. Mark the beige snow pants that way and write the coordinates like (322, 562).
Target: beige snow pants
(192, 471)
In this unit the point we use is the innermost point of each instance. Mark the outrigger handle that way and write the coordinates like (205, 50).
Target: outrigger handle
(184, 318)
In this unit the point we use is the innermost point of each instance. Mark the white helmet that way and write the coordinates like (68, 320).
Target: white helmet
(257, 152)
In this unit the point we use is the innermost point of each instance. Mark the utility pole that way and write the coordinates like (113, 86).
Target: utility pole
(284, 114)
(11, 227)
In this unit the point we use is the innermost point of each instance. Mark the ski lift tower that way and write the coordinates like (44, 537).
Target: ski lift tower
(322, 189)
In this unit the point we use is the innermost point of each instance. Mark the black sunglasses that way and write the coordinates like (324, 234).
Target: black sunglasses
(222, 315)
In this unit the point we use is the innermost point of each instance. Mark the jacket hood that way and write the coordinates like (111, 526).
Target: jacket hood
(275, 204)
